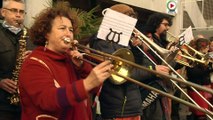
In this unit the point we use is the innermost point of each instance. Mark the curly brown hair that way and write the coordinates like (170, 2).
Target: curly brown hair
(201, 43)
(43, 22)
(155, 20)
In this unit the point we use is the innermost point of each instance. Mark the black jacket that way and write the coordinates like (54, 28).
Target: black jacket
(9, 46)
(151, 101)
(8, 50)
(117, 100)
(199, 74)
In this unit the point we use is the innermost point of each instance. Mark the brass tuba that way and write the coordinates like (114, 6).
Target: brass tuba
(14, 98)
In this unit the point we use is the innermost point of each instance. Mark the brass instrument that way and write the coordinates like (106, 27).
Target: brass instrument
(193, 56)
(14, 98)
(188, 56)
(166, 54)
(163, 53)
(171, 37)
(119, 66)
(104, 56)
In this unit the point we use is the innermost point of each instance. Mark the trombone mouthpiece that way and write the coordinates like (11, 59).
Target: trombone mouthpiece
(66, 40)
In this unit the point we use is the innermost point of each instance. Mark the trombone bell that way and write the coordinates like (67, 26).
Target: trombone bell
(188, 56)
(121, 67)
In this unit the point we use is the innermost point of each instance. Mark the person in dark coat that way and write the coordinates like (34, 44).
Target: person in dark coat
(13, 12)
(118, 101)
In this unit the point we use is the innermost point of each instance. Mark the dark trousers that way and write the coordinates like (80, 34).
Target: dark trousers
(175, 106)
(5, 115)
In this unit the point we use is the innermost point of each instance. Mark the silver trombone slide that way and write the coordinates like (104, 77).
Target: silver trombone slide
(111, 57)
(206, 111)
(145, 42)
(172, 80)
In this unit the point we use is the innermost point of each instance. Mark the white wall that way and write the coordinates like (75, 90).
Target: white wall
(177, 22)
(155, 5)
(33, 7)
(158, 6)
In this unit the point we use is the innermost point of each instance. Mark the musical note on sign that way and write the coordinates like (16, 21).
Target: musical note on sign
(116, 27)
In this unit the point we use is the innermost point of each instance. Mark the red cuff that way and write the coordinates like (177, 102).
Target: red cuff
(76, 92)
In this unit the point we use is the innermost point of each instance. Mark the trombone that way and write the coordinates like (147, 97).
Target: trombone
(118, 59)
(193, 57)
(187, 52)
(166, 54)
(171, 37)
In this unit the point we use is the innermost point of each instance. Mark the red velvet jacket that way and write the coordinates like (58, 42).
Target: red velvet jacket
(51, 88)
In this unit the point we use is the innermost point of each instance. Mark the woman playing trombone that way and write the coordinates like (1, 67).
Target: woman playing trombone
(200, 74)
(54, 82)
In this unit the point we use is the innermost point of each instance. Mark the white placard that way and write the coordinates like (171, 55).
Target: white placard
(116, 27)
(186, 36)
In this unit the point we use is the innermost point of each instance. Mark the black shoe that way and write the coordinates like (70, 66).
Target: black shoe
(190, 117)
(201, 118)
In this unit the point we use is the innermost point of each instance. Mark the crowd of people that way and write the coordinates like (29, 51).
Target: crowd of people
(56, 83)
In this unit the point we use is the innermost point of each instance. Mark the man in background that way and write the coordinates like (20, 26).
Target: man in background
(1, 18)
(13, 12)
(159, 108)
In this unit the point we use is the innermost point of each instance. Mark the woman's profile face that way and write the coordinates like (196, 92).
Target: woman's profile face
(211, 47)
(205, 50)
(61, 28)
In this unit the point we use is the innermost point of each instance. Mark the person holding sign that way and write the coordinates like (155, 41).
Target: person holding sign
(121, 101)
